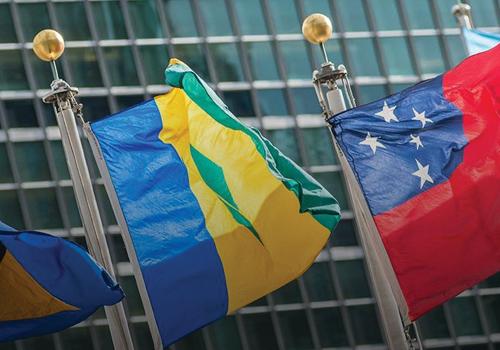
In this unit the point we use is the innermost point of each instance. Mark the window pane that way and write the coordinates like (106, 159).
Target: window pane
(334, 52)
(11, 209)
(295, 330)
(484, 13)
(180, 18)
(31, 24)
(330, 328)
(120, 65)
(31, 161)
(95, 107)
(43, 208)
(109, 20)
(59, 160)
(260, 332)
(456, 49)
(285, 18)
(433, 324)
(39, 343)
(353, 279)
(128, 101)
(469, 325)
(344, 234)
(286, 142)
(72, 20)
(71, 207)
(288, 294)
(77, 338)
(444, 12)
(194, 57)
(215, 17)
(305, 101)
(316, 6)
(319, 283)
(7, 25)
(154, 61)
(145, 19)
(272, 102)
(419, 14)
(492, 309)
(318, 145)
(365, 324)
(262, 61)
(362, 55)
(370, 93)
(239, 102)
(429, 55)
(5, 172)
(250, 17)
(43, 74)
(12, 76)
(225, 335)
(396, 56)
(353, 15)
(20, 113)
(192, 341)
(334, 184)
(84, 67)
(227, 62)
(386, 14)
(296, 60)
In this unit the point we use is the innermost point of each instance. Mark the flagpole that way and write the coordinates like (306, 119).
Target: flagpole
(462, 12)
(317, 29)
(49, 46)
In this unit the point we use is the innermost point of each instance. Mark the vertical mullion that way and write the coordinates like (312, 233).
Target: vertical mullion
(195, 6)
(100, 56)
(284, 77)
(411, 44)
(276, 323)
(482, 316)
(135, 50)
(245, 62)
(242, 332)
(343, 41)
(440, 34)
(451, 326)
(378, 47)
(164, 25)
(68, 76)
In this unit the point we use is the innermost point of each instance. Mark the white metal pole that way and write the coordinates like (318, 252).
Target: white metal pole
(390, 318)
(62, 99)
(463, 14)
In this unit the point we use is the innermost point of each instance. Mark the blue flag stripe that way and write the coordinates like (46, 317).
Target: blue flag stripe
(192, 289)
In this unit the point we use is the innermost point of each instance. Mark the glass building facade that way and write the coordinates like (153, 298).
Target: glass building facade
(254, 55)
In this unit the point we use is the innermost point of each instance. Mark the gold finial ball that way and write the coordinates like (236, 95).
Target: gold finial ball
(48, 45)
(317, 28)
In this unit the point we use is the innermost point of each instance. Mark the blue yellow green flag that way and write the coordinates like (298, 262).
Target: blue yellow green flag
(215, 215)
(47, 284)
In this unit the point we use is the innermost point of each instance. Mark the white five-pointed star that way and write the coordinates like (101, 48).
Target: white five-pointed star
(416, 140)
(387, 113)
(421, 117)
(372, 142)
(423, 174)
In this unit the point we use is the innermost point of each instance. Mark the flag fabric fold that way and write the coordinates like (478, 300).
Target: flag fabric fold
(47, 284)
(478, 41)
(428, 162)
(216, 215)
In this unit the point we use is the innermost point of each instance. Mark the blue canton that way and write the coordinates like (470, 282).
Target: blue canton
(402, 145)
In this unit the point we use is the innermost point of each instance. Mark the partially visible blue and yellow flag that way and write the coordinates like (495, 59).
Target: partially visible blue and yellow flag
(478, 41)
(216, 215)
(47, 284)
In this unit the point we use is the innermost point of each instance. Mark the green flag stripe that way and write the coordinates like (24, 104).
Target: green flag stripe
(312, 196)
(213, 175)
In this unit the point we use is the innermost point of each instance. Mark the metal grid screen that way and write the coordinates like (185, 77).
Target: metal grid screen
(254, 56)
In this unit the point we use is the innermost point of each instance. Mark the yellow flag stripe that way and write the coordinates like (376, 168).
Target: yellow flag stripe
(21, 297)
(290, 239)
